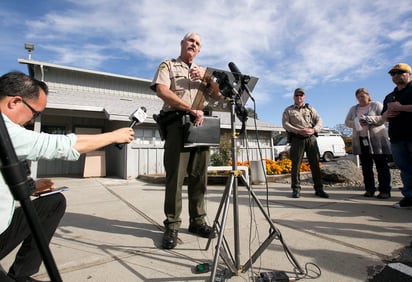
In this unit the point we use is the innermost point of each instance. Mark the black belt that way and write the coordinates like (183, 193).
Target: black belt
(170, 116)
(298, 136)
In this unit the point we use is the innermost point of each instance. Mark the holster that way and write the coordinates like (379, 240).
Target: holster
(289, 137)
(163, 119)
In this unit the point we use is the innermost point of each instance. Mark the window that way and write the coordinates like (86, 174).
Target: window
(147, 136)
(53, 129)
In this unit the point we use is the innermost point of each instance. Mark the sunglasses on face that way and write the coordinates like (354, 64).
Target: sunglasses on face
(34, 112)
(392, 73)
(299, 95)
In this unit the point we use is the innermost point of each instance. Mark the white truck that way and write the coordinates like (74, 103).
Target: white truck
(330, 143)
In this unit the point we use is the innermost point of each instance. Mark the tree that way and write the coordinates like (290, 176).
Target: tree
(279, 136)
(251, 113)
(222, 154)
(344, 130)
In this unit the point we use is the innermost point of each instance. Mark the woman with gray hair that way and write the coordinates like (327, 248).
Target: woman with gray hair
(371, 142)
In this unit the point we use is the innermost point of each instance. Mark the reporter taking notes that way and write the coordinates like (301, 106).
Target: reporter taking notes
(22, 100)
(53, 191)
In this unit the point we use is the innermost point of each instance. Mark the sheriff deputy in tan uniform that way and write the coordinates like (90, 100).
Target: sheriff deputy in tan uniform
(177, 82)
(302, 123)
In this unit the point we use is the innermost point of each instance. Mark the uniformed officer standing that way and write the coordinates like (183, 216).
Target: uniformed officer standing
(177, 82)
(302, 123)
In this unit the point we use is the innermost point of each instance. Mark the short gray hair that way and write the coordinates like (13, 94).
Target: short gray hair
(187, 35)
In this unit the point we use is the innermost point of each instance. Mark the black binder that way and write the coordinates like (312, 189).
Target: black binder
(207, 134)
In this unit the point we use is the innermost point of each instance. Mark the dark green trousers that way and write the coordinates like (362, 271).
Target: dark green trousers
(180, 162)
(298, 147)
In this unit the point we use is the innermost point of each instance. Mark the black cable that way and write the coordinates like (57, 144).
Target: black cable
(280, 238)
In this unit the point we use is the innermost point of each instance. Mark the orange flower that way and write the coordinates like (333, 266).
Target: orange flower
(277, 167)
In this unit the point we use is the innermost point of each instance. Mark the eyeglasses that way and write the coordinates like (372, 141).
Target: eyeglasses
(392, 73)
(34, 112)
(299, 95)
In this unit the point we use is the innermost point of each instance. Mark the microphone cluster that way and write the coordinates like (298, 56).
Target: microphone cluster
(227, 87)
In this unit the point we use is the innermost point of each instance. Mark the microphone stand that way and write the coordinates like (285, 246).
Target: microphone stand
(15, 174)
(222, 248)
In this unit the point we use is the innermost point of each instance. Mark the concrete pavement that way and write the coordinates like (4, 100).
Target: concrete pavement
(112, 231)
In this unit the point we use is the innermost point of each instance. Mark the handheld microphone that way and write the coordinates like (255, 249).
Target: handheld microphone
(137, 117)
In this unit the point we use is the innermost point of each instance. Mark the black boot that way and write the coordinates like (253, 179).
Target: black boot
(169, 239)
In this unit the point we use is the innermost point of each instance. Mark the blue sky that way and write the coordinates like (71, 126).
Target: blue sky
(330, 48)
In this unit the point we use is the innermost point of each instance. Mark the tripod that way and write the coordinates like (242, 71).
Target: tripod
(222, 246)
(15, 174)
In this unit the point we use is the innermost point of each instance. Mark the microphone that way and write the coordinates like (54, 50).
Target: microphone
(234, 69)
(137, 117)
(244, 79)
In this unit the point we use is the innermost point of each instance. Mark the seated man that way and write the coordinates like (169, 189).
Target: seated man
(22, 99)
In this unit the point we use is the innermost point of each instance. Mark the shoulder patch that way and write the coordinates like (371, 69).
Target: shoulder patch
(163, 66)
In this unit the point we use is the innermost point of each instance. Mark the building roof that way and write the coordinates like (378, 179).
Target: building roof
(116, 107)
(116, 96)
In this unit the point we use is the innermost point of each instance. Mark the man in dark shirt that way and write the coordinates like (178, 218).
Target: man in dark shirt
(397, 110)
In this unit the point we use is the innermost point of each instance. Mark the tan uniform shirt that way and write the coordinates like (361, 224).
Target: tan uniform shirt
(295, 118)
(175, 75)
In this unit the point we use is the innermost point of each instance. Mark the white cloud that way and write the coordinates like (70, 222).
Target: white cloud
(313, 34)
(284, 43)
(90, 55)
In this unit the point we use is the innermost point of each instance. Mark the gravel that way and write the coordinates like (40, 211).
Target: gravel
(343, 173)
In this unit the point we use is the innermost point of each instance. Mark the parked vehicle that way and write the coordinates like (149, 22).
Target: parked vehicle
(348, 144)
(330, 143)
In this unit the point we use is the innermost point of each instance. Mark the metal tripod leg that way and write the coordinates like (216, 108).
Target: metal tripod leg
(222, 248)
(275, 233)
(220, 228)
